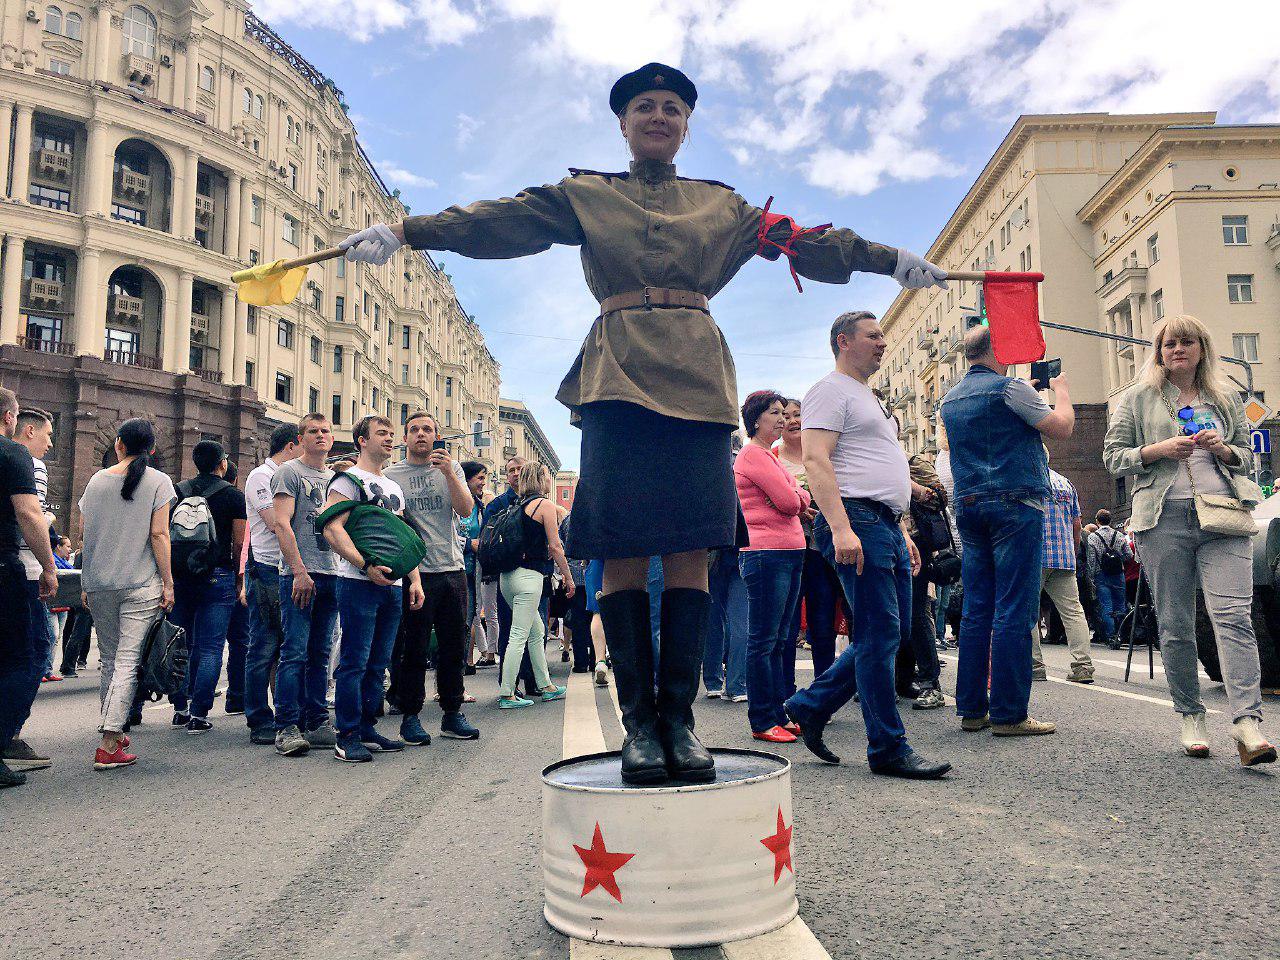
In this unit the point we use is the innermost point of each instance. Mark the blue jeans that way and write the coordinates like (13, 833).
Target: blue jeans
(202, 607)
(940, 611)
(724, 662)
(1112, 603)
(237, 653)
(818, 589)
(1003, 545)
(773, 592)
(370, 617)
(302, 679)
(42, 641)
(20, 652)
(880, 600)
(265, 639)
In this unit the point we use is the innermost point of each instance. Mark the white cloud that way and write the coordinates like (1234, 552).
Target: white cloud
(467, 127)
(394, 173)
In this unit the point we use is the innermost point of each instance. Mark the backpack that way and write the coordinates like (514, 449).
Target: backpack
(193, 535)
(1111, 561)
(502, 542)
(382, 538)
(933, 532)
(162, 666)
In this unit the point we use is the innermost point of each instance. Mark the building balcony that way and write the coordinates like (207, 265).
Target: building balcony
(131, 358)
(41, 345)
(1273, 243)
(1130, 281)
(925, 338)
(508, 452)
(204, 208)
(125, 309)
(133, 185)
(138, 69)
(208, 376)
(52, 165)
(42, 294)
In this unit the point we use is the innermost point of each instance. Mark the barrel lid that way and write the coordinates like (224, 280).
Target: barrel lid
(602, 772)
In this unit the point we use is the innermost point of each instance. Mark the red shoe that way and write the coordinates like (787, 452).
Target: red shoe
(50, 678)
(776, 735)
(109, 761)
(792, 728)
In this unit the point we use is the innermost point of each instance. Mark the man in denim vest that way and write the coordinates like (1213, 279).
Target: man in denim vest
(994, 424)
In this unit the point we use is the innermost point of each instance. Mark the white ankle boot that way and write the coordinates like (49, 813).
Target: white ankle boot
(1251, 743)
(1195, 735)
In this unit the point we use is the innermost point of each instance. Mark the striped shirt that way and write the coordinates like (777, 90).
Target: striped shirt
(1061, 513)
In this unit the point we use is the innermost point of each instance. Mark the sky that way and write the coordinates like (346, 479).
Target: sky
(871, 114)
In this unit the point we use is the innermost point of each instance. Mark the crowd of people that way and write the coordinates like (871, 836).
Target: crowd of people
(871, 560)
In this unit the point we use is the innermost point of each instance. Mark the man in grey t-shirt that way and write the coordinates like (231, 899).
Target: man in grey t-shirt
(435, 495)
(308, 593)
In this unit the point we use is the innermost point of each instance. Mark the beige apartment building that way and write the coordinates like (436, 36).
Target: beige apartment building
(521, 436)
(151, 149)
(1129, 218)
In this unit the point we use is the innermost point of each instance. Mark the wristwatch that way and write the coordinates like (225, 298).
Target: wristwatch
(364, 567)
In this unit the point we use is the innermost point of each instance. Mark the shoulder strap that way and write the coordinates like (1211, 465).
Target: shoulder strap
(714, 183)
(579, 172)
(364, 495)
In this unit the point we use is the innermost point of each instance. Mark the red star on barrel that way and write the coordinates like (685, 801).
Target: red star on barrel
(780, 846)
(602, 865)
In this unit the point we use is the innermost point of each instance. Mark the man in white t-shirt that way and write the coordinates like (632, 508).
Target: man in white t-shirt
(369, 602)
(861, 485)
(262, 581)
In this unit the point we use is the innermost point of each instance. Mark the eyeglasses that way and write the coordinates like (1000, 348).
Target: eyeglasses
(1187, 416)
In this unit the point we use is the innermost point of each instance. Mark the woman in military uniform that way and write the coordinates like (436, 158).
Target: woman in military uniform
(653, 388)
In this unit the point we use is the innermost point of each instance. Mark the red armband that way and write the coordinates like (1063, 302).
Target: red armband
(762, 239)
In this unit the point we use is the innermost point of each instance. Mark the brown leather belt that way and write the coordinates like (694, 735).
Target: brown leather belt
(654, 297)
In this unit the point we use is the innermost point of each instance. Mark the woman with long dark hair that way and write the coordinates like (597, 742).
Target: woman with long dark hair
(127, 578)
(475, 474)
(653, 388)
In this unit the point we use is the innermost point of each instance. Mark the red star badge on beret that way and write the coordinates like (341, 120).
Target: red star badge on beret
(659, 79)
(780, 846)
(602, 865)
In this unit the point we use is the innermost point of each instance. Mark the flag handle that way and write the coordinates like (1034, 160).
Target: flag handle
(320, 255)
(975, 275)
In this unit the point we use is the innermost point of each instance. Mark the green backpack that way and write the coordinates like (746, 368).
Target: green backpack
(382, 538)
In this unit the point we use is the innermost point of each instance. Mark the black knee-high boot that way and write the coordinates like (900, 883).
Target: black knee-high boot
(684, 633)
(625, 617)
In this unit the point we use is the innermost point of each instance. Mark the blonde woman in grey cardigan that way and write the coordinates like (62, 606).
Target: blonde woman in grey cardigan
(1179, 431)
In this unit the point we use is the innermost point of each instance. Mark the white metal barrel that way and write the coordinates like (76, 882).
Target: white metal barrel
(670, 866)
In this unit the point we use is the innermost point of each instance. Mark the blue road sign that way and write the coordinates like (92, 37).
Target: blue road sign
(1260, 440)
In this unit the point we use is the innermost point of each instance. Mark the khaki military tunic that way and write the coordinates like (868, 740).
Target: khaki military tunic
(646, 228)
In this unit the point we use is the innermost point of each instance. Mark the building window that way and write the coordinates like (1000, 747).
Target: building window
(1240, 287)
(248, 372)
(342, 268)
(258, 105)
(404, 337)
(128, 214)
(284, 388)
(288, 129)
(246, 100)
(53, 20)
(317, 298)
(337, 359)
(206, 79)
(254, 256)
(255, 210)
(375, 398)
(1244, 346)
(139, 32)
(448, 417)
(1235, 231)
(293, 177)
(1157, 305)
(320, 156)
(377, 316)
(251, 324)
(404, 374)
(335, 408)
(51, 197)
(1153, 248)
(315, 350)
(289, 229)
(339, 307)
(60, 67)
(284, 333)
(448, 386)
(404, 413)
(313, 400)
(320, 198)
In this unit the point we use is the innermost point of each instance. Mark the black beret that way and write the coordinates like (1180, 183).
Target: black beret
(652, 76)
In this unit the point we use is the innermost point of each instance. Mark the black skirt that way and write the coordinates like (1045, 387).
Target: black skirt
(651, 485)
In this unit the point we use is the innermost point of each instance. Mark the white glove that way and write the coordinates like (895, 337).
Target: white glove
(375, 245)
(915, 272)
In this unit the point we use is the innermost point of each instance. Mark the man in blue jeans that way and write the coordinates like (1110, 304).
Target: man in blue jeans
(860, 482)
(1106, 550)
(203, 599)
(369, 602)
(994, 425)
(724, 662)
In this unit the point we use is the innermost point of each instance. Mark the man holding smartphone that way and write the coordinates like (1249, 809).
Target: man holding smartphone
(435, 496)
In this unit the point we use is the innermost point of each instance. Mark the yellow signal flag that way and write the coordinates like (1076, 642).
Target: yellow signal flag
(269, 284)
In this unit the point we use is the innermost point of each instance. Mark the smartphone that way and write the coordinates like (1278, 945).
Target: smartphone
(1042, 371)
(438, 445)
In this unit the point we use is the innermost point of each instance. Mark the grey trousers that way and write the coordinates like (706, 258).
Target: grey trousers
(1064, 591)
(1177, 554)
(121, 619)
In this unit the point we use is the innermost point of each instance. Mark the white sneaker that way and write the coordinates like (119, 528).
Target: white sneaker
(740, 698)
(715, 694)
(1253, 746)
(1195, 735)
(602, 674)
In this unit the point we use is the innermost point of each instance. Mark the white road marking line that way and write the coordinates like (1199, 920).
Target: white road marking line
(795, 941)
(1098, 689)
(582, 950)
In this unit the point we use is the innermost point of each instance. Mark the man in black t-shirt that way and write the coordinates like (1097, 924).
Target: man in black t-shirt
(203, 605)
(19, 511)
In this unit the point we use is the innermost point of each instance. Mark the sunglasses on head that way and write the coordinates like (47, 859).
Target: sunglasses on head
(1189, 426)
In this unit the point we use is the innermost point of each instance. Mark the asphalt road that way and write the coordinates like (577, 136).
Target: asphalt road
(1102, 841)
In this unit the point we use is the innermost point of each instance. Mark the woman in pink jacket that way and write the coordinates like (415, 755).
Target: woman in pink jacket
(771, 566)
